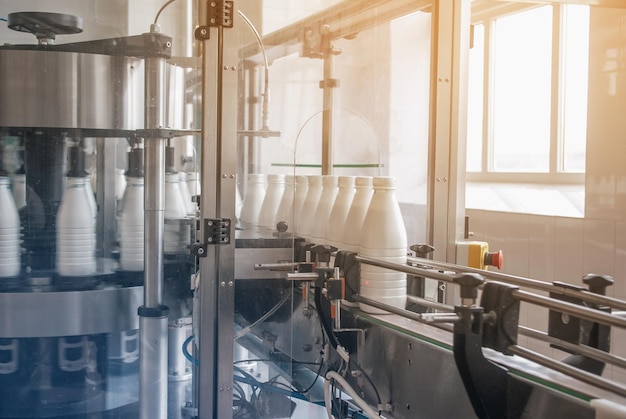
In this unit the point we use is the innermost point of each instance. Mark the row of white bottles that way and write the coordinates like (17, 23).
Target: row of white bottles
(9, 232)
(359, 214)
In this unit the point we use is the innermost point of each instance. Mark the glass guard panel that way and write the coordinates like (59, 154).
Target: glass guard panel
(343, 111)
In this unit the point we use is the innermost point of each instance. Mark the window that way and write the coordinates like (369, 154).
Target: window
(528, 96)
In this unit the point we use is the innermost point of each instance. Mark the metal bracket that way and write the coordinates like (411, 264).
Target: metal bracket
(216, 231)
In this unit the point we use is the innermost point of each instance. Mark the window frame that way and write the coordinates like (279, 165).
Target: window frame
(555, 173)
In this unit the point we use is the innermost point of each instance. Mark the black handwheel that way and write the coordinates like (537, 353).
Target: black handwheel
(45, 25)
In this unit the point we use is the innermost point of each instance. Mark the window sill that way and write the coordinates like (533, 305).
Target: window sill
(554, 200)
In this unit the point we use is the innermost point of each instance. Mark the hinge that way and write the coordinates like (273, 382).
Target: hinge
(221, 13)
(216, 231)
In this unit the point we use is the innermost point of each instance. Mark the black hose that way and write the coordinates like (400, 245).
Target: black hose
(323, 319)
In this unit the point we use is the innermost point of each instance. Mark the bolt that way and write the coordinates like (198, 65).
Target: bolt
(233, 68)
(225, 68)
(438, 179)
(232, 176)
(223, 284)
(213, 4)
(168, 44)
(200, 251)
(212, 20)
(221, 388)
(445, 179)
(231, 283)
(203, 32)
(228, 388)
(224, 176)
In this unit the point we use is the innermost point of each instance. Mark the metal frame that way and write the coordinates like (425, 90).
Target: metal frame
(451, 35)
(215, 315)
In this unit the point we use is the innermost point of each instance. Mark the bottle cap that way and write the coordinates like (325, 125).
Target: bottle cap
(363, 181)
(384, 182)
(329, 180)
(256, 178)
(346, 181)
(274, 178)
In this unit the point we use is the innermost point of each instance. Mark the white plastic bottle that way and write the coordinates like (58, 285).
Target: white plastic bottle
(184, 192)
(9, 232)
(176, 232)
(19, 190)
(383, 236)
(273, 196)
(321, 218)
(253, 199)
(356, 213)
(76, 236)
(339, 212)
(304, 222)
(131, 225)
(301, 189)
(285, 209)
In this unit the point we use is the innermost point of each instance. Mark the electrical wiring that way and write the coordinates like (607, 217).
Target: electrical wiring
(156, 18)
(332, 376)
(186, 353)
(264, 317)
(273, 360)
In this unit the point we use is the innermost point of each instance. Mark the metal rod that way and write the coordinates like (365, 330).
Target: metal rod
(153, 330)
(581, 349)
(569, 308)
(412, 270)
(568, 370)
(422, 318)
(584, 295)
(430, 304)
(328, 101)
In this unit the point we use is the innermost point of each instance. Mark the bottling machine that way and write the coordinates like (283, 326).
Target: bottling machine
(160, 304)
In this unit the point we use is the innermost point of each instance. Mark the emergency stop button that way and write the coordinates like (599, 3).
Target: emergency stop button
(494, 259)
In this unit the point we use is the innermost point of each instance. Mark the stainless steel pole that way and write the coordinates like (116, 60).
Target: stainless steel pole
(153, 315)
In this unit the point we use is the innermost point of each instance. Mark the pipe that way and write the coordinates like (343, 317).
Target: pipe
(153, 340)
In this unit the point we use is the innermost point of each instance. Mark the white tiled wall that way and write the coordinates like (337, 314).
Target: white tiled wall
(557, 249)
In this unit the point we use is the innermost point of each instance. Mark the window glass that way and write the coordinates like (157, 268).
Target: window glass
(475, 100)
(575, 73)
(521, 81)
